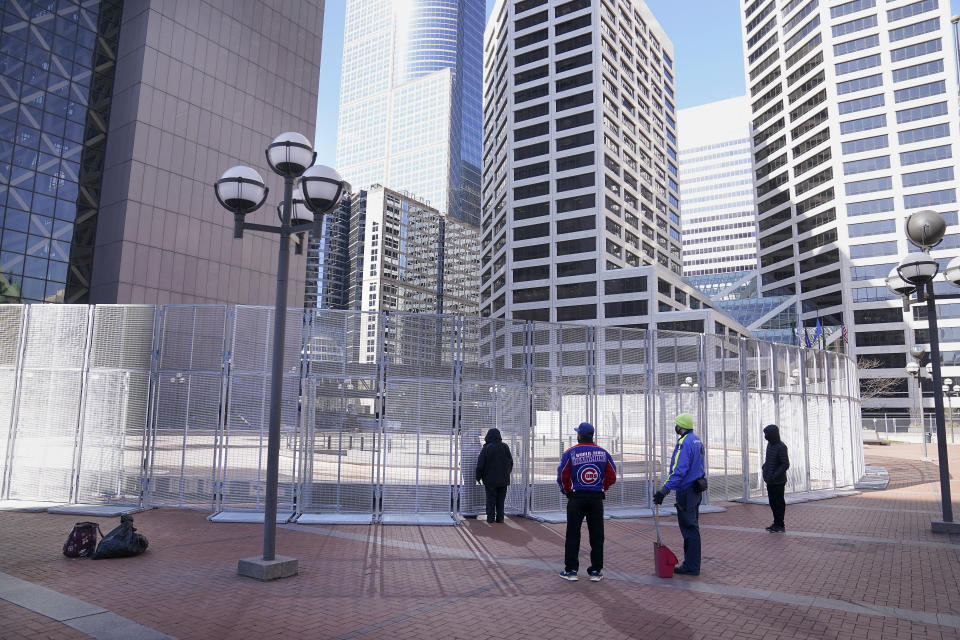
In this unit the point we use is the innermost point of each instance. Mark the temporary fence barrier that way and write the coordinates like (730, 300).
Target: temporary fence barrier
(383, 414)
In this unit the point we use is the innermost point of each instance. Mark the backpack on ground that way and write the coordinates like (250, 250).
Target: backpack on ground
(122, 542)
(82, 541)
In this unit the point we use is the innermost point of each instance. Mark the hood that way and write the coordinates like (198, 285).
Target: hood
(493, 435)
(772, 433)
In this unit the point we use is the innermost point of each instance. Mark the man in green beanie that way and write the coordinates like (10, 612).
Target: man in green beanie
(686, 468)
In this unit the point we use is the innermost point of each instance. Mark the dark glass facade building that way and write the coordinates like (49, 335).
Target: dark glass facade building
(115, 120)
(57, 63)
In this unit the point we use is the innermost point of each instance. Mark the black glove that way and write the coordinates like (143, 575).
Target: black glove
(658, 497)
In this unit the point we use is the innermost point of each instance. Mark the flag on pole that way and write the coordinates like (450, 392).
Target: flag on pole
(798, 341)
(843, 329)
(818, 332)
(806, 337)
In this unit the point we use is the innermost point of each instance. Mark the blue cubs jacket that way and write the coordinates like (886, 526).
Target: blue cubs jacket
(686, 463)
(586, 467)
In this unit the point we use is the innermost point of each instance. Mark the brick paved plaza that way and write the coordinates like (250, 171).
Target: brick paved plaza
(863, 566)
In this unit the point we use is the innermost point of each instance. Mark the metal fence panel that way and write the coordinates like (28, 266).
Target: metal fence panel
(116, 405)
(243, 455)
(418, 416)
(341, 456)
(187, 406)
(44, 447)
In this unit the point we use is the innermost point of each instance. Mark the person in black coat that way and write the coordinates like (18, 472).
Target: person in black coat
(775, 465)
(494, 465)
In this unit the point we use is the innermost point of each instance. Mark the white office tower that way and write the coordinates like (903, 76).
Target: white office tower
(717, 214)
(580, 164)
(854, 127)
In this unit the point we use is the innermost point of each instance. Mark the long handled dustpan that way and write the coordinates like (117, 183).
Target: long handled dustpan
(663, 558)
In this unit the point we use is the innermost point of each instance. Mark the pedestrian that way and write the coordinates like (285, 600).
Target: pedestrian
(494, 465)
(775, 465)
(586, 471)
(688, 479)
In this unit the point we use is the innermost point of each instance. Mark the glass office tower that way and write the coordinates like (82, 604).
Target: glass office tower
(410, 100)
(57, 63)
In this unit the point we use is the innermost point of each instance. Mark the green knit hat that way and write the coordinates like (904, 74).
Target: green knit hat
(685, 421)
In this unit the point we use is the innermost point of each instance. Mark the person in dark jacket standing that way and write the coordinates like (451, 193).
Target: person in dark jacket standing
(775, 465)
(586, 471)
(494, 465)
(686, 467)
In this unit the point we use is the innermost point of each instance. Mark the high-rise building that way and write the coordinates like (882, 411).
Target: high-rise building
(580, 163)
(328, 261)
(410, 100)
(718, 217)
(115, 121)
(854, 128)
(405, 256)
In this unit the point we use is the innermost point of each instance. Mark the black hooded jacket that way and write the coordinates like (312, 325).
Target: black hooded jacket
(776, 462)
(494, 463)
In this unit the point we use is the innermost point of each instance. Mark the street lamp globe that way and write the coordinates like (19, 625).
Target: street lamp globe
(956, 388)
(290, 154)
(299, 213)
(918, 351)
(913, 368)
(322, 188)
(897, 284)
(241, 190)
(929, 370)
(918, 268)
(952, 272)
(926, 228)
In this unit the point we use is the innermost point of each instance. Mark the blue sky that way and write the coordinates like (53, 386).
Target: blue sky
(705, 35)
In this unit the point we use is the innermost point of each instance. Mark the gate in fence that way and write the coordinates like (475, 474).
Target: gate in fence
(384, 413)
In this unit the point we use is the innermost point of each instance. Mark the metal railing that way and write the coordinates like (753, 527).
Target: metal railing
(384, 413)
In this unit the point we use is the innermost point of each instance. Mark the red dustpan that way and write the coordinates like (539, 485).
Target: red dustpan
(663, 558)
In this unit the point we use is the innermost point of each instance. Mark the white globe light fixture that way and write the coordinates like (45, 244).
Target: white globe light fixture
(240, 190)
(918, 268)
(952, 272)
(290, 154)
(322, 188)
(913, 368)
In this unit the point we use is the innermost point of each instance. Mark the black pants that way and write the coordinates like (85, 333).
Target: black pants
(589, 505)
(777, 503)
(496, 496)
(688, 517)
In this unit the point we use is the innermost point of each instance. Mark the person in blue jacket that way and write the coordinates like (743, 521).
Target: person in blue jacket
(686, 467)
(586, 471)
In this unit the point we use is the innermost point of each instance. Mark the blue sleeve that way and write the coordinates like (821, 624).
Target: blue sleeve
(563, 463)
(683, 465)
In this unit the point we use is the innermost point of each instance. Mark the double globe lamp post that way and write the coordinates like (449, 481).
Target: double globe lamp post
(915, 275)
(241, 190)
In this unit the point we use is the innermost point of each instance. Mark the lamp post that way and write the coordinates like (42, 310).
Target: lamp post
(242, 191)
(913, 370)
(915, 274)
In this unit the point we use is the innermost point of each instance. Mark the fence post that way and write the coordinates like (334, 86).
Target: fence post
(744, 420)
(830, 426)
(15, 405)
(806, 417)
(81, 409)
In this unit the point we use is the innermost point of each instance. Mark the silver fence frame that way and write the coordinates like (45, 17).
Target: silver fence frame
(384, 413)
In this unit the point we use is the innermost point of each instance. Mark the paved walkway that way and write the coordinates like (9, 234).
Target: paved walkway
(863, 566)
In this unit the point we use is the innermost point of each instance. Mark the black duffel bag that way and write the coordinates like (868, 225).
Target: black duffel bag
(122, 542)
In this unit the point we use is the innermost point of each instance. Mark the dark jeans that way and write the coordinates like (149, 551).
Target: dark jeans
(589, 505)
(777, 504)
(495, 499)
(688, 516)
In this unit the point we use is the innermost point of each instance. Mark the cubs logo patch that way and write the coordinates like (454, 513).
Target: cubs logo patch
(589, 474)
